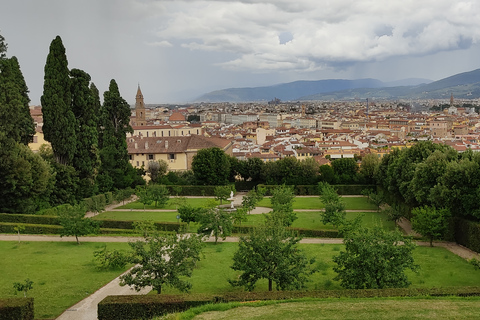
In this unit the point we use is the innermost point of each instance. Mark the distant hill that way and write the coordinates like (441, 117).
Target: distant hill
(462, 85)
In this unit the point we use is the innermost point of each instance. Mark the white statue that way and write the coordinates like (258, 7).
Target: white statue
(231, 194)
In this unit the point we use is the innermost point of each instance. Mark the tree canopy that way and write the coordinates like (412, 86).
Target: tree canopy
(211, 167)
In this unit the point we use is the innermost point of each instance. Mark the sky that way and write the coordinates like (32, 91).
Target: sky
(178, 50)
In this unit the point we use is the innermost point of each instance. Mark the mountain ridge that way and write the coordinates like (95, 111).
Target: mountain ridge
(461, 85)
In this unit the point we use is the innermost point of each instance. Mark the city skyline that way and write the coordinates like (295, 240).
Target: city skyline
(179, 50)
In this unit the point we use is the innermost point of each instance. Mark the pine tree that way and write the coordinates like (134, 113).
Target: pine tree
(86, 159)
(3, 47)
(58, 118)
(115, 170)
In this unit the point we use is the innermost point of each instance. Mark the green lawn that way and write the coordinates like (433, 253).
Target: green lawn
(438, 268)
(195, 202)
(362, 309)
(63, 273)
(351, 203)
(306, 219)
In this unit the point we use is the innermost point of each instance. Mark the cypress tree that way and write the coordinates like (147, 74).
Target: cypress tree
(84, 107)
(115, 169)
(58, 118)
(3, 47)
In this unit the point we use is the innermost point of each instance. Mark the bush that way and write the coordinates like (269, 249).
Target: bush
(310, 190)
(146, 307)
(16, 309)
(192, 190)
(28, 218)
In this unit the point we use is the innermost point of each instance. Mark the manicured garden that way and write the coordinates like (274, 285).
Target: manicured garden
(63, 273)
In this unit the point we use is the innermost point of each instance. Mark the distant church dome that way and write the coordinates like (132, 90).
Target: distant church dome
(176, 117)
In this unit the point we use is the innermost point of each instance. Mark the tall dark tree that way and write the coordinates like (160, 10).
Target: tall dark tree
(3, 47)
(15, 118)
(116, 170)
(85, 109)
(211, 167)
(58, 118)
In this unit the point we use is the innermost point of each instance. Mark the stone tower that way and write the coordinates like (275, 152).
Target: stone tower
(139, 109)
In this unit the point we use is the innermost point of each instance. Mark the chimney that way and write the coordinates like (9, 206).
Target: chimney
(146, 145)
(136, 146)
(166, 144)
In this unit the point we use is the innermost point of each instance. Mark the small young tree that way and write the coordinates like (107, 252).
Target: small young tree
(271, 253)
(430, 222)
(249, 201)
(159, 194)
(377, 198)
(143, 195)
(216, 222)
(163, 260)
(23, 287)
(394, 213)
(374, 259)
(145, 228)
(222, 193)
(74, 223)
(19, 228)
(282, 203)
(110, 259)
(334, 213)
(239, 215)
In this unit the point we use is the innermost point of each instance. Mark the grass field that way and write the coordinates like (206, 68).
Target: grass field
(310, 309)
(309, 203)
(195, 202)
(438, 268)
(306, 219)
(63, 273)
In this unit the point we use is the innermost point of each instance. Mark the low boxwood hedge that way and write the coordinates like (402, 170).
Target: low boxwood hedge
(16, 309)
(149, 306)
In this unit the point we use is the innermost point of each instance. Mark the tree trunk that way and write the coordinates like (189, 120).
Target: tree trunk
(159, 289)
(270, 284)
(76, 237)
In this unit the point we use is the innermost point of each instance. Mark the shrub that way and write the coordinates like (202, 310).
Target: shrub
(16, 309)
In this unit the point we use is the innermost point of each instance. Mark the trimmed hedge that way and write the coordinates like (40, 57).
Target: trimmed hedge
(128, 224)
(6, 227)
(29, 218)
(193, 190)
(315, 233)
(149, 306)
(16, 309)
(312, 190)
(467, 233)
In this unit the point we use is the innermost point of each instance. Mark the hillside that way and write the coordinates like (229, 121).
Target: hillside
(463, 85)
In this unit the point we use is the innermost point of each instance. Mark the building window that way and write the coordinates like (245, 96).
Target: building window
(143, 163)
(147, 134)
(171, 156)
(151, 157)
(130, 157)
(137, 164)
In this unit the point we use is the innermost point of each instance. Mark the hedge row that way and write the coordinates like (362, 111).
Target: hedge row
(193, 190)
(149, 306)
(162, 226)
(467, 233)
(29, 218)
(305, 190)
(6, 227)
(16, 309)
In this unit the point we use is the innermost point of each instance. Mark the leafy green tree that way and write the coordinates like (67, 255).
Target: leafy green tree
(15, 119)
(282, 202)
(271, 253)
(157, 170)
(59, 121)
(123, 194)
(19, 228)
(115, 170)
(374, 259)
(215, 222)
(163, 260)
(377, 198)
(222, 193)
(189, 214)
(334, 213)
(143, 195)
(26, 179)
(326, 173)
(345, 170)
(394, 213)
(253, 170)
(74, 223)
(430, 222)
(370, 163)
(86, 110)
(211, 167)
(239, 215)
(111, 259)
(23, 287)
(159, 194)
(249, 201)
(146, 228)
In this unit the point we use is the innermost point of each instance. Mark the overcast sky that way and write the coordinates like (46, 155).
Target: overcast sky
(178, 50)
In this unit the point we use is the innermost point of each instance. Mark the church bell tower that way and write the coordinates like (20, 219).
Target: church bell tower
(140, 119)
